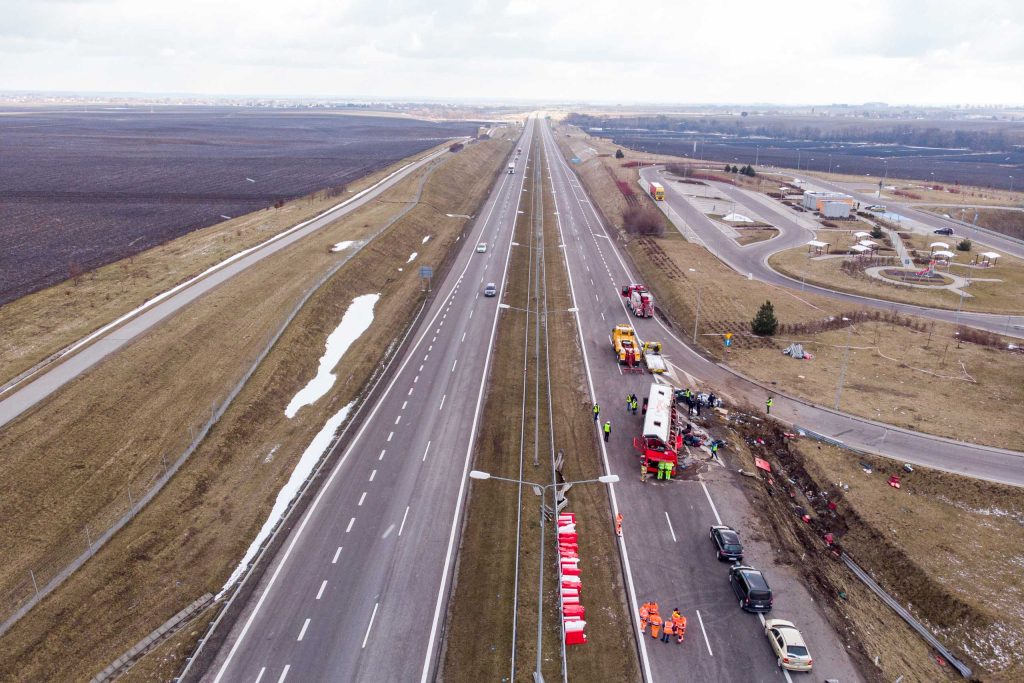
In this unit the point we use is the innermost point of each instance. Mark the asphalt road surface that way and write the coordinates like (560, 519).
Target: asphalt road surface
(666, 524)
(77, 359)
(752, 260)
(359, 590)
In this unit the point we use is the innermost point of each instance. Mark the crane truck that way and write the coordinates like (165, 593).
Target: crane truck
(657, 191)
(625, 346)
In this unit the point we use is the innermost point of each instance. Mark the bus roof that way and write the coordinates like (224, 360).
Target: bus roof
(658, 420)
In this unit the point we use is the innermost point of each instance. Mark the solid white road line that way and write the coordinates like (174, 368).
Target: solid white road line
(403, 520)
(425, 451)
(370, 625)
(361, 499)
(671, 530)
(284, 673)
(718, 520)
(302, 632)
(337, 553)
(350, 523)
(704, 631)
(631, 588)
(320, 593)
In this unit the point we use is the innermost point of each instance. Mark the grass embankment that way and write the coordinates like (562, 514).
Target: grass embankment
(479, 641)
(918, 383)
(942, 545)
(188, 540)
(40, 324)
(1005, 296)
(1006, 221)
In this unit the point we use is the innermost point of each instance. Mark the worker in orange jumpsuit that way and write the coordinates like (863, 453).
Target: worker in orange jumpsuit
(667, 632)
(645, 613)
(618, 524)
(655, 626)
(676, 614)
(680, 629)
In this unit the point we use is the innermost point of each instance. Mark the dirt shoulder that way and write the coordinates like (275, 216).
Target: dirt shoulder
(45, 322)
(944, 546)
(188, 539)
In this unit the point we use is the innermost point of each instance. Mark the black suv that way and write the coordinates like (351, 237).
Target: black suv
(751, 588)
(944, 231)
(727, 541)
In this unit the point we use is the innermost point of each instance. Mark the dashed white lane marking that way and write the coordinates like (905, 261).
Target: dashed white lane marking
(337, 553)
(434, 339)
(284, 673)
(381, 456)
(425, 451)
(441, 407)
(424, 359)
(391, 434)
(370, 625)
(403, 520)
(463, 337)
(320, 593)
(410, 391)
(361, 499)
(373, 474)
(398, 419)
(350, 523)
(415, 379)
(454, 364)
(707, 493)
(429, 348)
(302, 631)
(671, 530)
(260, 674)
(602, 315)
(387, 532)
(471, 312)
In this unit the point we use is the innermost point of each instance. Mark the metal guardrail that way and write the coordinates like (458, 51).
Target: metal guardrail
(962, 668)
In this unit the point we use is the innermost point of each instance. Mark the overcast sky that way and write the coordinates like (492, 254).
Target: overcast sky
(795, 51)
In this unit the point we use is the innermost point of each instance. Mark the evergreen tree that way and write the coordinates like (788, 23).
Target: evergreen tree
(728, 168)
(765, 323)
(619, 154)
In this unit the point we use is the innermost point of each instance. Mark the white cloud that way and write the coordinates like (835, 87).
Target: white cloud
(743, 51)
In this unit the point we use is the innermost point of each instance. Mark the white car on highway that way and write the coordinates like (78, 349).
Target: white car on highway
(481, 248)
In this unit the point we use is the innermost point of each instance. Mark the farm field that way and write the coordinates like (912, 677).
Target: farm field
(85, 188)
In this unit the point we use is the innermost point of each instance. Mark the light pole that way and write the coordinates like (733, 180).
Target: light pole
(1011, 184)
(842, 371)
(696, 318)
(538, 677)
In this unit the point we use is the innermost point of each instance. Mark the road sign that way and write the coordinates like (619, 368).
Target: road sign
(426, 272)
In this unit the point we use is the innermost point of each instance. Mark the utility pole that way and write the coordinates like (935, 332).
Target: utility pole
(842, 371)
(696, 318)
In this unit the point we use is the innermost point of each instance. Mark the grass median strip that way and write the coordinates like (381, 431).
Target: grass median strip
(188, 539)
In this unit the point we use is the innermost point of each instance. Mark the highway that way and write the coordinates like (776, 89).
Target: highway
(666, 524)
(752, 260)
(360, 588)
(50, 375)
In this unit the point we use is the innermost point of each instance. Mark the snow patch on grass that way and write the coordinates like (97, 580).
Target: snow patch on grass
(356, 320)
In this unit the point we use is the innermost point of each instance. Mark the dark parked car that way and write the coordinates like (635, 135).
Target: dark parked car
(751, 588)
(727, 541)
(944, 231)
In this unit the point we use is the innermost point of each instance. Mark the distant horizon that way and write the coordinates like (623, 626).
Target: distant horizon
(523, 102)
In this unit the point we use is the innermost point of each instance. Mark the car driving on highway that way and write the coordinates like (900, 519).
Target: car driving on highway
(490, 289)
(944, 231)
(788, 644)
(481, 248)
(727, 542)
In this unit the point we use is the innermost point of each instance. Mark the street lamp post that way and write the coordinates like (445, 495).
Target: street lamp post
(538, 677)
(1011, 184)
(696, 318)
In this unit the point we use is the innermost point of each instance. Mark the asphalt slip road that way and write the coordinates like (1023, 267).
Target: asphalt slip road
(50, 378)
(666, 524)
(359, 590)
(752, 260)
